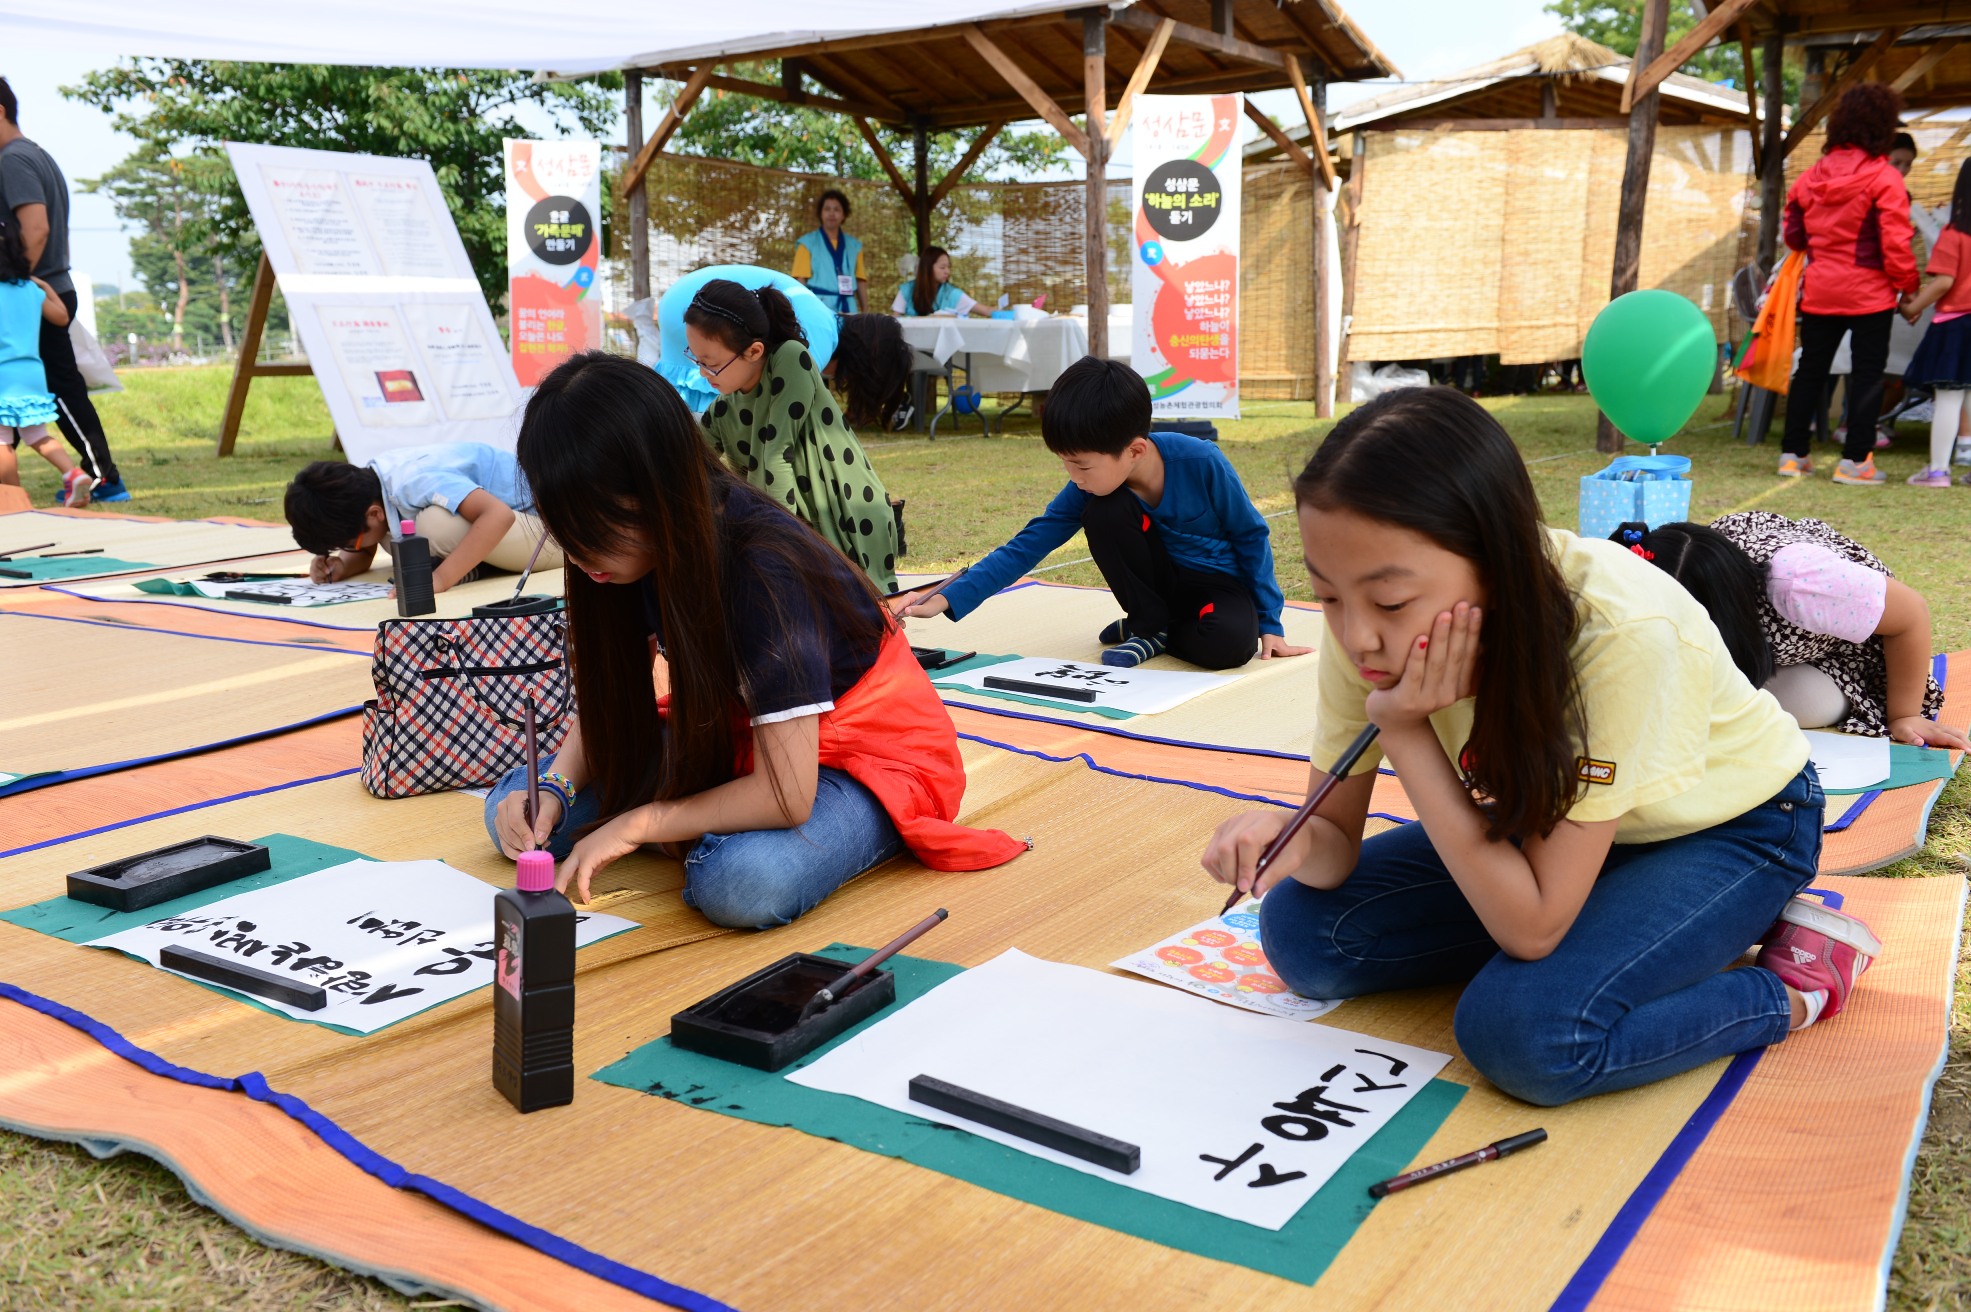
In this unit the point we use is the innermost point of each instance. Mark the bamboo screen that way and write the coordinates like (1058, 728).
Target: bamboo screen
(1501, 243)
(1941, 150)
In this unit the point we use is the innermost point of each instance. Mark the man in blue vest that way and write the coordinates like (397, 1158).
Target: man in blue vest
(828, 260)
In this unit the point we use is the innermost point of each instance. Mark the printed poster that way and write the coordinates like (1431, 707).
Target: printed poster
(554, 244)
(383, 939)
(1184, 276)
(383, 297)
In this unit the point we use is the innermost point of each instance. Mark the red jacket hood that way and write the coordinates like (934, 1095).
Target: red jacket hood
(1844, 175)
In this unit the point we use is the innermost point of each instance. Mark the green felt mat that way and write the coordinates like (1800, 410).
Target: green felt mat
(68, 567)
(1908, 765)
(938, 678)
(1300, 1251)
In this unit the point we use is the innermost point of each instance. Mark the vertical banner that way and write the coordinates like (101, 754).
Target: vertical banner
(553, 244)
(1185, 277)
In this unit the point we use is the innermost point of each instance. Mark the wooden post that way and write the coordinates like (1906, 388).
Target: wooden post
(1094, 75)
(247, 367)
(1351, 241)
(1772, 178)
(920, 145)
(640, 198)
(1635, 184)
(1324, 219)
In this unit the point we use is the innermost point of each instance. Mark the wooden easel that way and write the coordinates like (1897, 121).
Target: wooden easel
(248, 368)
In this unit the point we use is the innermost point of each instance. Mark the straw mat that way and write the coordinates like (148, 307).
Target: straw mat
(156, 542)
(1894, 823)
(363, 616)
(1796, 1199)
(1270, 707)
(98, 695)
(276, 626)
(1113, 868)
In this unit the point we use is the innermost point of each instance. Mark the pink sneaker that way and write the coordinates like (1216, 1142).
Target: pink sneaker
(1813, 947)
(76, 486)
(1930, 478)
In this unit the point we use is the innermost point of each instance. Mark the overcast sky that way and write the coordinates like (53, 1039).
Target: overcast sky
(1425, 38)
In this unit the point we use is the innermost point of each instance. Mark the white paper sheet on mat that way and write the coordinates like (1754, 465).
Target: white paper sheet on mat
(385, 939)
(1138, 691)
(1846, 760)
(1221, 959)
(298, 592)
(1244, 1116)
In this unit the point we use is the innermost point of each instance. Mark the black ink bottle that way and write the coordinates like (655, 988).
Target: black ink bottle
(412, 555)
(534, 989)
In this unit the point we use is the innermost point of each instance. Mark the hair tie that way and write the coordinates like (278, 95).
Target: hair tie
(1640, 551)
(1632, 536)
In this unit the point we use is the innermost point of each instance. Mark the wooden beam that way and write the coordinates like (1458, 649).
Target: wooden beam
(1095, 206)
(850, 86)
(1743, 32)
(694, 87)
(247, 367)
(1926, 61)
(1635, 186)
(882, 154)
(1503, 124)
(767, 91)
(972, 153)
(920, 172)
(640, 197)
(1317, 132)
(1030, 91)
(1324, 189)
(1221, 17)
(1229, 46)
(1146, 68)
(790, 81)
(1288, 146)
(1856, 71)
(1712, 26)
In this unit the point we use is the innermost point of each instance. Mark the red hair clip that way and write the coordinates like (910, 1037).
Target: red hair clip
(1640, 550)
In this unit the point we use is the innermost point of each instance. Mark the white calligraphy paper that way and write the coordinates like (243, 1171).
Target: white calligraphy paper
(1221, 959)
(1240, 1115)
(293, 592)
(384, 939)
(1845, 760)
(1138, 691)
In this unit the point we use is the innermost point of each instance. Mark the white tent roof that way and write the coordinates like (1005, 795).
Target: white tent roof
(573, 38)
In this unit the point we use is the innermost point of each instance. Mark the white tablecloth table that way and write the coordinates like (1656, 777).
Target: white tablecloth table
(1012, 355)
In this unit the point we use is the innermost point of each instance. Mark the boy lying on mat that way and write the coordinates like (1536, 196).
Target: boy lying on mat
(1168, 522)
(467, 498)
(1610, 813)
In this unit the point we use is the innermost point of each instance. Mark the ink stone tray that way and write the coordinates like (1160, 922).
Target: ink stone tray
(144, 880)
(756, 1021)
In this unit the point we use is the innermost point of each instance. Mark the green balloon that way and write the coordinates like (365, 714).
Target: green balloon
(1648, 359)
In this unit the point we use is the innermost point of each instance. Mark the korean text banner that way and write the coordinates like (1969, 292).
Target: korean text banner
(553, 246)
(382, 296)
(1185, 274)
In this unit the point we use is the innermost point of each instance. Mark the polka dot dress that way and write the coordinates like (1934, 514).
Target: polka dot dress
(1858, 669)
(788, 438)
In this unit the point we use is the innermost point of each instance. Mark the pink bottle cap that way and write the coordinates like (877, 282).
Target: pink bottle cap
(536, 872)
(409, 527)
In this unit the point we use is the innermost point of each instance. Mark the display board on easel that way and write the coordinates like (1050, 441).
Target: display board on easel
(382, 296)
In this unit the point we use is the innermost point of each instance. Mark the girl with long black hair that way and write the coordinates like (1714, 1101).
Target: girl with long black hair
(1610, 814)
(780, 427)
(799, 744)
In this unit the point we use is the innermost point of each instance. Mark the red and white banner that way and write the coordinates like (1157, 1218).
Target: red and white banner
(553, 244)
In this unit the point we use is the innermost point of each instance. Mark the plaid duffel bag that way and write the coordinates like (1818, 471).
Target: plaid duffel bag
(450, 697)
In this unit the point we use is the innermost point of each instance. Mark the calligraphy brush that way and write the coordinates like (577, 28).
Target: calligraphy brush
(1343, 764)
(533, 771)
(9, 555)
(906, 592)
(86, 551)
(847, 979)
(527, 573)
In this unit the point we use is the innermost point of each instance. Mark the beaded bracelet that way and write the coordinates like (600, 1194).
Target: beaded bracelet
(564, 788)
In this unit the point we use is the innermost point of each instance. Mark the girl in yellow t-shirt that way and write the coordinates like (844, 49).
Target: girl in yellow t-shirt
(1610, 813)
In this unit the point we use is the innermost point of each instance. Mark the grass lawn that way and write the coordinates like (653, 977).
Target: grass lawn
(86, 1235)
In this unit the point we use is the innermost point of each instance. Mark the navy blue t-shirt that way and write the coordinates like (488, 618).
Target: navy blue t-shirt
(793, 660)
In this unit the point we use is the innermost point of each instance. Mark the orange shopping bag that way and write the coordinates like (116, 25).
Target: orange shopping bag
(1768, 360)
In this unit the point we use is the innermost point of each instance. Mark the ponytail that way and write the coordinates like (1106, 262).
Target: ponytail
(724, 310)
(1725, 581)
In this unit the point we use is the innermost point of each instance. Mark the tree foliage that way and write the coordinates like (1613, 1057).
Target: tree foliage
(1617, 24)
(454, 118)
(806, 139)
(176, 203)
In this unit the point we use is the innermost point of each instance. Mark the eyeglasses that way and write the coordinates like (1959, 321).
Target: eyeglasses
(706, 369)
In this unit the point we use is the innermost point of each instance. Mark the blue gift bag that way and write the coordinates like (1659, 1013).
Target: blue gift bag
(1652, 489)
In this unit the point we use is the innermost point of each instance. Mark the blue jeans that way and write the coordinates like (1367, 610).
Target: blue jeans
(1636, 991)
(763, 877)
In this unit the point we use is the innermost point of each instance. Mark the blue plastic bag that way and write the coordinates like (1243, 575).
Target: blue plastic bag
(1652, 489)
(817, 321)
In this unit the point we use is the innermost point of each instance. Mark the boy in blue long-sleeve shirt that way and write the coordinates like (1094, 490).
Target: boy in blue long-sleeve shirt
(1167, 520)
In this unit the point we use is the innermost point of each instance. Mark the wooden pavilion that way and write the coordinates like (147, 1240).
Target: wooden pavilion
(1061, 65)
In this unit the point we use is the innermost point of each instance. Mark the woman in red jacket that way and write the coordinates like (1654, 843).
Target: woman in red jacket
(1850, 214)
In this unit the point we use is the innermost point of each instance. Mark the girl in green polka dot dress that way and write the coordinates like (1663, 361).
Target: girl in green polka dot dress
(779, 427)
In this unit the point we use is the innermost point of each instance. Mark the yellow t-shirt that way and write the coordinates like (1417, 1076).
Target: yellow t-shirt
(1678, 740)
